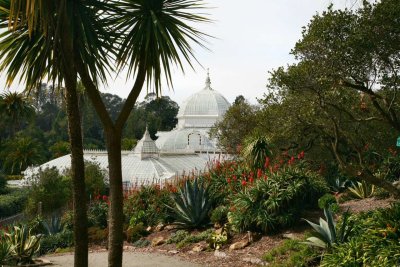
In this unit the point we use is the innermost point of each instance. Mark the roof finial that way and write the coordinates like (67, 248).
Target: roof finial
(146, 135)
(208, 80)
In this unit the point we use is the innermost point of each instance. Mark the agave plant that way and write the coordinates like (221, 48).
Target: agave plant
(192, 204)
(53, 225)
(362, 190)
(327, 234)
(5, 250)
(24, 244)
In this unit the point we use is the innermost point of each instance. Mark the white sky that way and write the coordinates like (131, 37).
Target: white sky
(252, 38)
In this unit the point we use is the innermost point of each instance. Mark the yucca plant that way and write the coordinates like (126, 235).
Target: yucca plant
(362, 190)
(192, 204)
(24, 244)
(256, 150)
(327, 234)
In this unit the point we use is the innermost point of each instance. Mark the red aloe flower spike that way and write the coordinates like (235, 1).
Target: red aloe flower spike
(267, 161)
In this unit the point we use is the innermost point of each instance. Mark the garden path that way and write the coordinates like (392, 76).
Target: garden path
(130, 259)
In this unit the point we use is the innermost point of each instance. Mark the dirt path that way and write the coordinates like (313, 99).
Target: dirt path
(130, 259)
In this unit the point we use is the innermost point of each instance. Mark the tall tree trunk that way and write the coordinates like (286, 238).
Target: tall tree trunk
(75, 136)
(113, 131)
(115, 214)
(78, 175)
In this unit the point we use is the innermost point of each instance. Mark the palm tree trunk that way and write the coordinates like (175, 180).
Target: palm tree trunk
(113, 133)
(115, 214)
(78, 173)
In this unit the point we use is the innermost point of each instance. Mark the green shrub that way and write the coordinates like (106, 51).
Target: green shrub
(13, 202)
(135, 232)
(219, 215)
(292, 253)
(97, 235)
(195, 238)
(278, 202)
(98, 213)
(3, 183)
(192, 204)
(51, 243)
(390, 168)
(50, 188)
(141, 243)
(138, 217)
(95, 179)
(148, 205)
(217, 240)
(177, 237)
(328, 201)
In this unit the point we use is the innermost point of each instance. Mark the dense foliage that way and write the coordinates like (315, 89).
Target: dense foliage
(276, 202)
(375, 241)
(13, 202)
(50, 188)
(148, 205)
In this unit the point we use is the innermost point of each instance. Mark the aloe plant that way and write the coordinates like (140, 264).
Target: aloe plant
(24, 244)
(327, 234)
(192, 204)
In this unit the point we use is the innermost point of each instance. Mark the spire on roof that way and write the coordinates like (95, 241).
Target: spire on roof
(208, 80)
(146, 147)
(146, 136)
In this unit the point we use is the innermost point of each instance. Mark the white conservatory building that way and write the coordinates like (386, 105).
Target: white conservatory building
(185, 149)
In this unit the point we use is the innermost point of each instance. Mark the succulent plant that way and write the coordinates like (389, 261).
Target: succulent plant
(327, 234)
(362, 190)
(192, 204)
(24, 244)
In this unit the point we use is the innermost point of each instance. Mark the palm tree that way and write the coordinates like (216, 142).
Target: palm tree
(151, 36)
(16, 107)
(36, 51)
(20, 153)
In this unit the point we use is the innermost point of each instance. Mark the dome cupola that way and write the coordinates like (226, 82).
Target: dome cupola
(202, 109)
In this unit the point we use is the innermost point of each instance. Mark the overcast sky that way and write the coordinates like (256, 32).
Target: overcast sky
(252, 38)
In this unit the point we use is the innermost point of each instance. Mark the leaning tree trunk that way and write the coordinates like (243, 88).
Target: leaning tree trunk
(115, 214)
(78, 178)
(369, 177)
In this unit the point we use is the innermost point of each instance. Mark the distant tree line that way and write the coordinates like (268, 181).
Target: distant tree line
(34, 126)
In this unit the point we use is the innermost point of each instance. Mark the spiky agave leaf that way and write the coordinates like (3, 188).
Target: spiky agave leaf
(192, 204)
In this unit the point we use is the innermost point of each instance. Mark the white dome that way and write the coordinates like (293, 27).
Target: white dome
(203, 108)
